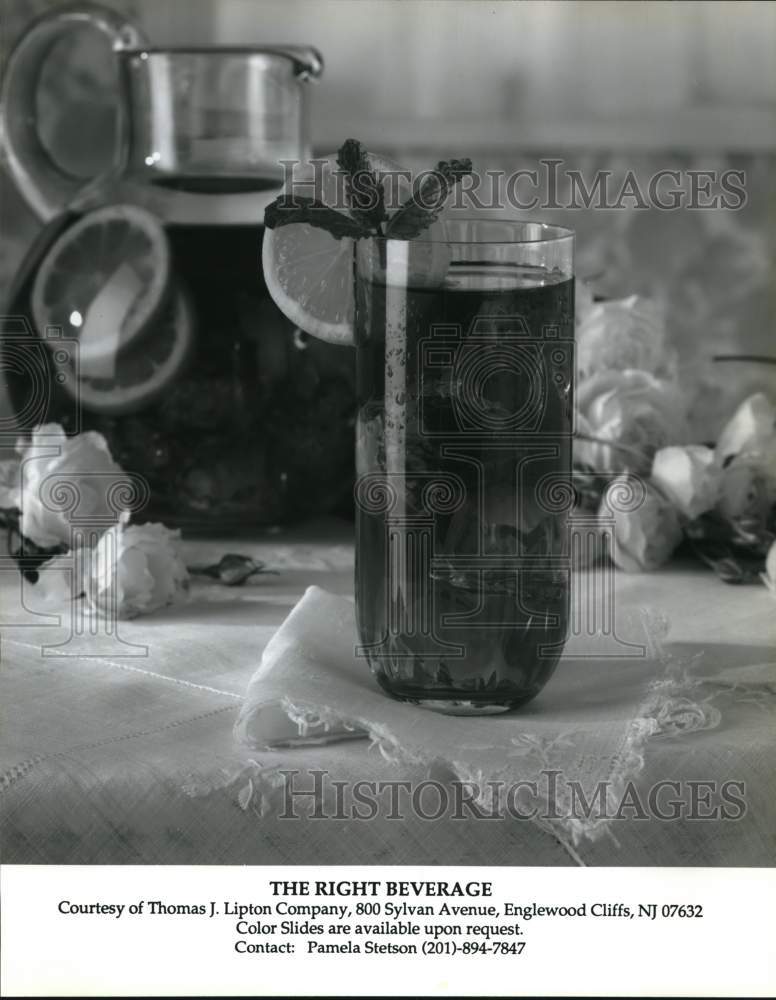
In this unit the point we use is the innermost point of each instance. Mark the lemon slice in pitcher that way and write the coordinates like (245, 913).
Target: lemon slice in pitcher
(139, 375)
(103, 282)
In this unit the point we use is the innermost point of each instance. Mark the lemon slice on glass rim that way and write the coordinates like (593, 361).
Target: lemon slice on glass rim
(309, 273)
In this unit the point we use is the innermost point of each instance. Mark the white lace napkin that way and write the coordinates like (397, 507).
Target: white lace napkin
(590, 724)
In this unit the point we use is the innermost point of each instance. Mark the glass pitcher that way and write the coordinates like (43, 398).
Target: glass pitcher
(141, 312)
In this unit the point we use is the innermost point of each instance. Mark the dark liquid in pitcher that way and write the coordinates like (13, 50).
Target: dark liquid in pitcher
(462, 589)
(256, 427)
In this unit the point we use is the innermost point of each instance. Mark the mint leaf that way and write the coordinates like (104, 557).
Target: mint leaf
(365, 192)
(287, 209)
(367, 215)
(427, 202)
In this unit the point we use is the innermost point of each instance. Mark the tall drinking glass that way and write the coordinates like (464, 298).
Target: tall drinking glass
(465, 368)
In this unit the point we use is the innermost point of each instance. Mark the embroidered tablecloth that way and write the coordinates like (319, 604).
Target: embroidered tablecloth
(130, 757)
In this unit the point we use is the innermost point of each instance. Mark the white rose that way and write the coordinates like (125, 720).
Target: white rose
(769, 576)
(51, 453)
(635, 411)
(10, 487)
(747, 450)
(621, 334)
(745, 490)
(752, 428)
(644, 538)
(690, 476)
(136, 569)
(59, 580)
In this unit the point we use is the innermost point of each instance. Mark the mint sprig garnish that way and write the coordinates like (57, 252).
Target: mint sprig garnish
(427, 202)
(367, 216)
(364, 190)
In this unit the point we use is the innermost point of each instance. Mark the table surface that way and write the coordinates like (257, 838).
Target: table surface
(128, 757)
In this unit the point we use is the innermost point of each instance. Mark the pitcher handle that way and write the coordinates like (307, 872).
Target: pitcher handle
(308, 62)
(45, 186)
